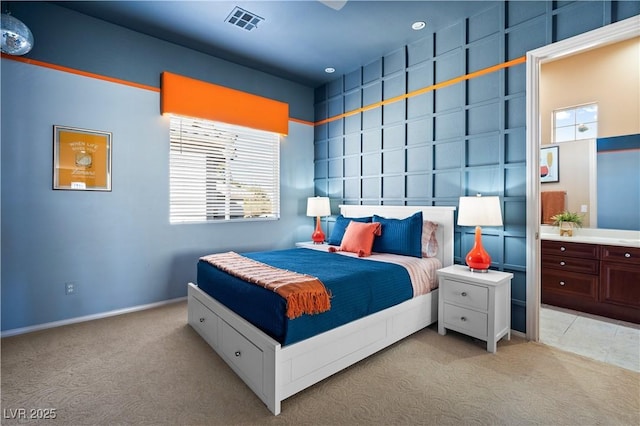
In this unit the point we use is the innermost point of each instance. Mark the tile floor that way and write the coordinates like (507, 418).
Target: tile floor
(610, 341)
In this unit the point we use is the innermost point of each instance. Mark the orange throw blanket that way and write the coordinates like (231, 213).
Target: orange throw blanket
(304, 294)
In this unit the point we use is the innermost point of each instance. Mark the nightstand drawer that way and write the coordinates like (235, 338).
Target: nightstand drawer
(466, 321)
(467, 295)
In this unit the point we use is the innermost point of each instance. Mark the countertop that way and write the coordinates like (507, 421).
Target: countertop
(611, 237)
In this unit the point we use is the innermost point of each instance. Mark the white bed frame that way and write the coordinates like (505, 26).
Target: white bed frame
(275, 372)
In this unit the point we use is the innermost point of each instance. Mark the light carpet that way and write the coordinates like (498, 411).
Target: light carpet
(151, 368)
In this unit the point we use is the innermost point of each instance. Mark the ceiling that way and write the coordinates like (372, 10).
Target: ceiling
(297, 39)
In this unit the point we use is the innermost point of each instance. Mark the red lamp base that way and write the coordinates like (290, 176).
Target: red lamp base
(318, 236)
(478, 259)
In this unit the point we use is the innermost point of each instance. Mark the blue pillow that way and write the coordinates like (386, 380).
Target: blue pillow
(341, 225)
(400, 236)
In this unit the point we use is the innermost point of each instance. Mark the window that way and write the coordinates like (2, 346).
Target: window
(576, 123)
(221, 172)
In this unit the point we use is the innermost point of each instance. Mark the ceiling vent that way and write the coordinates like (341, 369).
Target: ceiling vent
(243, 19)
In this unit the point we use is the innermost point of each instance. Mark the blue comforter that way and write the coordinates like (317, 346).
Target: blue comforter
(358, 287)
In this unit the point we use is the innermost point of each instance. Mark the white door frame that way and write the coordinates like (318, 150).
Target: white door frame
(613, 33)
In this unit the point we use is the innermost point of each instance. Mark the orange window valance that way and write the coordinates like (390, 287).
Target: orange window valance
(194, 98)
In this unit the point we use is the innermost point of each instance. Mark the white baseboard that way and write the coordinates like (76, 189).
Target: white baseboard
(23, 330)
(518, 333)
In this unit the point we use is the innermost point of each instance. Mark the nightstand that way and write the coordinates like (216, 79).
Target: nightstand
(310, 244)
(474, 303)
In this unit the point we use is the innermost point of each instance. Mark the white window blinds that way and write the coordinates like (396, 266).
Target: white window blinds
(221, 172)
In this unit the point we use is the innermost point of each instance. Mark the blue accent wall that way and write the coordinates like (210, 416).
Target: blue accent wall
(117, 247)
(459, 140)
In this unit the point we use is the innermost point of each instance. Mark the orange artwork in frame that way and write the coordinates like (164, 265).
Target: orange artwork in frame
(81, 159)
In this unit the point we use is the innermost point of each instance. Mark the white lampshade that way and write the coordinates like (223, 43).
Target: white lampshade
(318, 206)
(479, 211)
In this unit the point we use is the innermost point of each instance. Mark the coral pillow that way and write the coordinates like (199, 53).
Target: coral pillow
(358, 237)
(341, 225)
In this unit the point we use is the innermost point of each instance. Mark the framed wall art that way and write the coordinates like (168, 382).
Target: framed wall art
(549, 168)
(81, 159)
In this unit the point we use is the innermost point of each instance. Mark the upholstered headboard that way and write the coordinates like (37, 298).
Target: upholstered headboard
(443, 216)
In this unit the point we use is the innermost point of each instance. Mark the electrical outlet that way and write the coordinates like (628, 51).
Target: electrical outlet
(583, 208)
(70, 288)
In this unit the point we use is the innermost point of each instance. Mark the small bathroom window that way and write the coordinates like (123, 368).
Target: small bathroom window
(575, 123)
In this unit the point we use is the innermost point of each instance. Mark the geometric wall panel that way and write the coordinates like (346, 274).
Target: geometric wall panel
(371, 188)
(484, 24)
(393, 162)
(484, 88)
(448, 155)
(419, 186)
(449, 38)
(393, 112)
(419, 159)
(484, 54)
(578, 19)
(420, 105)
(483, 119)
(393, 187)
(449, 97)
(526, 37)
(483, 150)
(449, 125)
(515, 146)
(393, 137)
(420, 131)
(458, 139)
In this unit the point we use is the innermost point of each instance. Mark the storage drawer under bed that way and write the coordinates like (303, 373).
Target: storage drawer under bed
(204, 321)
(242, 354)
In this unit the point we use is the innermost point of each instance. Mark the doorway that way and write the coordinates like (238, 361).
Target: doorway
(609, 34)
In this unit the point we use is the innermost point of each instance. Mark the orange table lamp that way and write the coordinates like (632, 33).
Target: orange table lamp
(318, 206)
(479, 211)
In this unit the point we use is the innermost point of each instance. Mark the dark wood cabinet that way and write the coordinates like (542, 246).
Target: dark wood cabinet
(598, 279)
(620, 278)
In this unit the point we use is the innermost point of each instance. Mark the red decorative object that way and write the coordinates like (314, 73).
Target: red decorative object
(316, 207)
(479, 211)
(478, 259)
(318, 235)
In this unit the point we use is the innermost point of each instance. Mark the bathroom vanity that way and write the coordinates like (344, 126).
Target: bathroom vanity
(595, 271)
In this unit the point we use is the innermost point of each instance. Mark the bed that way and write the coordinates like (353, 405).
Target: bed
(277, 361)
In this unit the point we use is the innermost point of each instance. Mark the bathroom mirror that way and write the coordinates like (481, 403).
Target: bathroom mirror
(606, 77)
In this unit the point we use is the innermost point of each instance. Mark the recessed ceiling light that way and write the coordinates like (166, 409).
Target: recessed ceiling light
(418, 25)
(329, 70)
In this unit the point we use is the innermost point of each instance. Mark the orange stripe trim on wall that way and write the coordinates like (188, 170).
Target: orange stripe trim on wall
(194, 98)
(299, 121)
(446, 83)
(78, 72)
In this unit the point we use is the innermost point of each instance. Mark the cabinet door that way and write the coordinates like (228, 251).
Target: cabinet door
(620, 284)
(568, 287)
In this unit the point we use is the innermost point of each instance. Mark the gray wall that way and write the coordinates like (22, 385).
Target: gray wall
(117, 247)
